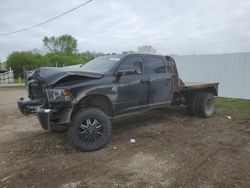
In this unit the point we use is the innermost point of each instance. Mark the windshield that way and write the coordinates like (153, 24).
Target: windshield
(101, 64)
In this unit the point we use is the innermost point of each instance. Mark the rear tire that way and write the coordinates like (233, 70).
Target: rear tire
(54, 128)
(204, 106)
(90, 129)
(191, 104)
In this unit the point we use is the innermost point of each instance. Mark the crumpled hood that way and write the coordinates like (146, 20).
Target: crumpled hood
(53, 74)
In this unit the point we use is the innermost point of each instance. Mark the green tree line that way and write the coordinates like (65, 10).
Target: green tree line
(60, 51)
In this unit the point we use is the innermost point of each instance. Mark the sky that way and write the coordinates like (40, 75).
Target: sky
(178, 27)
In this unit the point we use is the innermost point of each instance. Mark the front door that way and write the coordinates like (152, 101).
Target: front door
(132, 92)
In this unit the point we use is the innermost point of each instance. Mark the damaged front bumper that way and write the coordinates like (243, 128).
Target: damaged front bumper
(37, 106)
(32, 107)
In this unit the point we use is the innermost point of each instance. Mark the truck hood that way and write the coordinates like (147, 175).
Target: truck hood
(51, 75)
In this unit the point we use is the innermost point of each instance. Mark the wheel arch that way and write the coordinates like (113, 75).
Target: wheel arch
(100, 101)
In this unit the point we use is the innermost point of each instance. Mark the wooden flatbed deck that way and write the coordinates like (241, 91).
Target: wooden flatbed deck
(198, 85)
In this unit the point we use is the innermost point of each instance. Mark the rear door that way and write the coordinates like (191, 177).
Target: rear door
(159, 80)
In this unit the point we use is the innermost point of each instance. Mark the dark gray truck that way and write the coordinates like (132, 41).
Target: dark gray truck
(84, 98)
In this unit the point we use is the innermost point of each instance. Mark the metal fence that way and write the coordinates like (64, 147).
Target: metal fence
(7, 77)
(232, 71)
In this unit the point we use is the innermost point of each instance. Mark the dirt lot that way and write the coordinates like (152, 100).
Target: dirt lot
(172, 149)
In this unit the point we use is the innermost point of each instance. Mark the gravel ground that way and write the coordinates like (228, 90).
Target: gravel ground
(171, 149)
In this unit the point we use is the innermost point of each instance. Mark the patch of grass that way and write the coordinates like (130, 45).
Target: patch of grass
(238, 108)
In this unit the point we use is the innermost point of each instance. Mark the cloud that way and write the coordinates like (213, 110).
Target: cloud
(171, 26)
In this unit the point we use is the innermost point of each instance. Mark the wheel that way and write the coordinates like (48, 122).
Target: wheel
(191, 103)
(54, 128)
(90, 129)
(204, 106)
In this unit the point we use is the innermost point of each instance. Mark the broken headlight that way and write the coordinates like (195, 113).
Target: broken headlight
(59, 95)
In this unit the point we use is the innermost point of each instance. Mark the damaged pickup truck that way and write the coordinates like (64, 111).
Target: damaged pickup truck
(84, 98)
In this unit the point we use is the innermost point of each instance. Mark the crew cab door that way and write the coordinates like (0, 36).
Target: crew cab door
(132, 92)
(159, 80)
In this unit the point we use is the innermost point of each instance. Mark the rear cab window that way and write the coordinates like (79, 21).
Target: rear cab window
(155, 64)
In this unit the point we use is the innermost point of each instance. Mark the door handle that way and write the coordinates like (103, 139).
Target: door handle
(145, 80)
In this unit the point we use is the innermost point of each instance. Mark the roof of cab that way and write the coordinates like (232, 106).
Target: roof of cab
(132, 54)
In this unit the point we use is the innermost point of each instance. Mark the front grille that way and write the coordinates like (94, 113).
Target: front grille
(36, 90)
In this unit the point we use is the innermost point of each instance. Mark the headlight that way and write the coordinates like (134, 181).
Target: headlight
(58, 95)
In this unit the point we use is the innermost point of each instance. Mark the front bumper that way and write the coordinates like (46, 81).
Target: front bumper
(32, 107)
(37, 106)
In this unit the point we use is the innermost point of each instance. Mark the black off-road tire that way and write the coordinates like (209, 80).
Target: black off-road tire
(90, 136)
(54, 128)
(204, 105)
(191, 104)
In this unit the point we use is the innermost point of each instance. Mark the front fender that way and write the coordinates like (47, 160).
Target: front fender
(107, 90)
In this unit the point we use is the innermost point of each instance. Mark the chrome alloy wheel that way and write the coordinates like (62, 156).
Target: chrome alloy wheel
(90, 130)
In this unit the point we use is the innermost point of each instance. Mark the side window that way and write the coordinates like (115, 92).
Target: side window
(155, 65)
(132, 63)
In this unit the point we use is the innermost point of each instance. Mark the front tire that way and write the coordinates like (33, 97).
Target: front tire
(90, 129)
